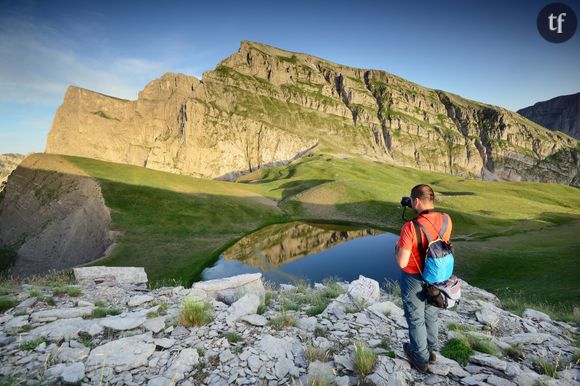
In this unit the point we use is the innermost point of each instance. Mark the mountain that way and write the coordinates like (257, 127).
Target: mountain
(8, 162)
(561, 113)
(264, 106)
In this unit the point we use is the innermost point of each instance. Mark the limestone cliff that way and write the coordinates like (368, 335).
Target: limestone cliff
(52, 216)
(8, 162)
(561, 113)
(262, 106)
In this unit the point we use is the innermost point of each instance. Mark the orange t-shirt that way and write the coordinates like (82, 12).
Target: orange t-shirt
(432, 222)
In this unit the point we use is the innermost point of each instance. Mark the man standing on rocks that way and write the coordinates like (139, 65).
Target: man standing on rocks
(422, 317)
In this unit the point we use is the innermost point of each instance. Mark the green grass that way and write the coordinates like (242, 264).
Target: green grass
(233, 337)
(32, 344)
(460, 327)
(364, 359)
(504, 233)
(458, 350)
(282, 321)
(99, 312)
(312, 354)
(7, 303)
(195, 313)
(70, 291)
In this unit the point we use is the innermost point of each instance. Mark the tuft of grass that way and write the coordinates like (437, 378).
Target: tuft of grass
(200, 352)
(515, 353)
(233, 337)
(316, 354)
(457, 349)
(32, 344)
(358, 305)
(268, 297)
(281, 321)
(68, 290)
(460, 327)
(99, 312)
(364, 359)
(86, 339)
(34, 293)
(385, 344)
(333, 288)
(7, 303)
(320, 331)
(161, 309)
(49, 300)
(546, 367)
(392, 288)
(261, 309)
(482, 345)
(195, 313)
(100, 303)
(391, 354)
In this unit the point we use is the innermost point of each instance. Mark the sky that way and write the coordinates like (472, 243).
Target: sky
(485, 50)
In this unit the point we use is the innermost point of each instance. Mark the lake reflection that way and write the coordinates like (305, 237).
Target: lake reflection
(299, 251)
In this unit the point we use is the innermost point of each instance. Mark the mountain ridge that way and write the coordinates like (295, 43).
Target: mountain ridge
(263, 106)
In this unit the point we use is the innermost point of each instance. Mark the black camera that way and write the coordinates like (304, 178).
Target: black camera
(406, 202)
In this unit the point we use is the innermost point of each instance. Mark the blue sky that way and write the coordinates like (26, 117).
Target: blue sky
(488, 51)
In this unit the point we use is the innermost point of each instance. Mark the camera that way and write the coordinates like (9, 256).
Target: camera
(406, 202)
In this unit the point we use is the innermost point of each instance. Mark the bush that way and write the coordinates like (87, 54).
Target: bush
(7, 303)
(458, 350)
(195, 313)
(282, 320)
(364, 360)
(100, 312)
(32, 344)
(313, 354)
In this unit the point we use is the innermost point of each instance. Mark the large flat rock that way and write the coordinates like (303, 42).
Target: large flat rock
(124, 275)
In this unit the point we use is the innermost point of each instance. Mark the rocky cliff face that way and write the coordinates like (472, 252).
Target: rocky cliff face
(8, 162)
(263, 106)
(561, 113)
(52, 216)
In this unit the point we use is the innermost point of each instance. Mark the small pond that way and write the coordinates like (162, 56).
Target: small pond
(297, 251)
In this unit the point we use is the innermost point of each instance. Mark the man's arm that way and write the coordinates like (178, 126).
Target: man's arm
(402, 256)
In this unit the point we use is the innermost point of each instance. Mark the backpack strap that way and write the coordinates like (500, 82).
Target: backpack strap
(444, 227)
(425, 231)
(422, 251)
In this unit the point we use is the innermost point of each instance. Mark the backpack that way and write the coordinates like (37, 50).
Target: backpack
(438, 256)
(443, 289)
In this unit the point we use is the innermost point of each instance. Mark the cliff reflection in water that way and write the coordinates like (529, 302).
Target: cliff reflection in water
(295, 251)
(280, 244)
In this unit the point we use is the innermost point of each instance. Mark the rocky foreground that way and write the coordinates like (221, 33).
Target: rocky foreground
(109, 329)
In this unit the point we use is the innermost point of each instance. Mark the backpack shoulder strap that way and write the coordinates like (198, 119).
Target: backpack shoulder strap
(424, 231)
(444, 227)
(422, 251)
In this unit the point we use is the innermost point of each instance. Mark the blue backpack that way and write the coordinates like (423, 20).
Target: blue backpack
(437, 257)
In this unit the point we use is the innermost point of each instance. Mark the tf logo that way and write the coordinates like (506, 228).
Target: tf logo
(557, 22)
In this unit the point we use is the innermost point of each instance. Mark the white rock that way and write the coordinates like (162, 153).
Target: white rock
(476, 379)
(84, 303)
(155, 324)
(307, 324)
(232, 288)
(254, 363)
(60, 313)
(255, 320)
(137, 300)
(527, 378)
(67, 354)
(498, 381)
(282, 367)
(73, 373)
(123, 322)
(160, 381)
(246, 305)
(16, 323)
(489, 361)
(364, 289)
(187, 359)
(525, 339)
(226, 356)
(26, 304)
(386, 308)
(123, 354)
(164, 342)
(124, 275)
(66, 329)
(397, 379)
(274, 347)
(536, 315)
(488, 316)
(344, 361)
(322, 372)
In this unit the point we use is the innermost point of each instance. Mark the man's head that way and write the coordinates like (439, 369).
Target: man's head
(422, 198)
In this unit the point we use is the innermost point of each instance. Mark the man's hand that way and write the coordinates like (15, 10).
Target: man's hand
(402, 256)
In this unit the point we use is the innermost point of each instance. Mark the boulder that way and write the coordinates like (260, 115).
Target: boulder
(246, 305)
(183, 364)
(230, 289)
(121, 275)
(123, 354)
(364, 289)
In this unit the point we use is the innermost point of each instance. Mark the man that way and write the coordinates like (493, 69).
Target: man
(422, 318)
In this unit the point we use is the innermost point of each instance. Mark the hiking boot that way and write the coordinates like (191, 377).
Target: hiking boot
(432, 357)
(422, 367)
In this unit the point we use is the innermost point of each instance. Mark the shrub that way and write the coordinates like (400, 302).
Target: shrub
(7, 303)
(195, 313)
(100, 312)
(282, 320)
(32, 344)
(233, 337)
(458, 350)
(315, 354)
(364, 360)
(68, 290)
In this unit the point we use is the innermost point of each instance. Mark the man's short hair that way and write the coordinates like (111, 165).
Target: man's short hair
(423, 192)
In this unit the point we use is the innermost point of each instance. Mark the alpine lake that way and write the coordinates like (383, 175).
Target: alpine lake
(298, 252)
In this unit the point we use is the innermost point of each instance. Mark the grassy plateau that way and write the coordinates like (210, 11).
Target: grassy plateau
(519, 240)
